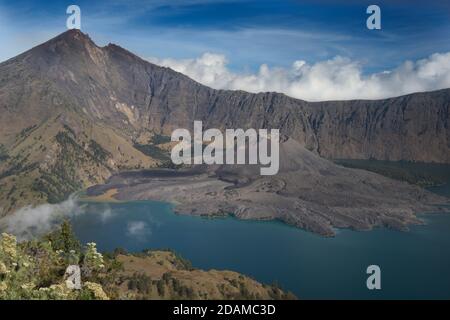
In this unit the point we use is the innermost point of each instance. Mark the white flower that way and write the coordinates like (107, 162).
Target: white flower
(3, 286)
(3, 269)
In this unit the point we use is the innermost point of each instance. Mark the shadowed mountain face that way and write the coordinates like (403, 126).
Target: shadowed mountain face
(73, 113)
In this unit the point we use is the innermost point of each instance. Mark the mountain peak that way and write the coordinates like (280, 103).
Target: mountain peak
(67, 44)
(76, 39)
(73, 37)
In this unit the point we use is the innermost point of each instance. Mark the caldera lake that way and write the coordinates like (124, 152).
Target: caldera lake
(414, 264)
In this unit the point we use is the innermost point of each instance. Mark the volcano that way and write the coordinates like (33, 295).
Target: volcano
(75, 115)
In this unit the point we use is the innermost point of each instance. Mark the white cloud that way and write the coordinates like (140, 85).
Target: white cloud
(138, 230)
(334, 79)
(30, 221)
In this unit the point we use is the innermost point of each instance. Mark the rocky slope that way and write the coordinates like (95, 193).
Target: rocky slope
(113, 86)
(73, 113)
(309, 192)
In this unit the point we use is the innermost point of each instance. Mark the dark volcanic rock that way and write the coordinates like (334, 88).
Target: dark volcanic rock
(308, 192)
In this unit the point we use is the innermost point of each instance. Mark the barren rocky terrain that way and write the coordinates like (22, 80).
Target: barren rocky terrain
(73, 114)
(309, 192)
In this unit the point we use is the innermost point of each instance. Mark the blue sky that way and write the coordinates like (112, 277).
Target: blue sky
(248, 32)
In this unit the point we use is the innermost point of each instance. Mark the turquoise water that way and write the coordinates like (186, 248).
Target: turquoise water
(413, 264)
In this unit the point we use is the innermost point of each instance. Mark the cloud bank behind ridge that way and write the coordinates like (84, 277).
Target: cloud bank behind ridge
(334, 79)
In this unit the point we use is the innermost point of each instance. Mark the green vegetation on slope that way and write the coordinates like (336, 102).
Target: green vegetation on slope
(98, 153)
(51, 160)
(153, 151)
(36, 270)
(57, 184)
(421, 174)
(3, 153)
(160, 139)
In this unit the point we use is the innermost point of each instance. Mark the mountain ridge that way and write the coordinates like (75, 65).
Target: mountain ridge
(76, 34)
(73, 114)
(357, 126)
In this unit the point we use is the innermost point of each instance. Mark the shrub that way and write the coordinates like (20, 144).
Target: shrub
(34, 270)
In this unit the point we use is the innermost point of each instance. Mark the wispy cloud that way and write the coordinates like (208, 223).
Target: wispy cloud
(30, 221)
(138, 230)
(33, 221)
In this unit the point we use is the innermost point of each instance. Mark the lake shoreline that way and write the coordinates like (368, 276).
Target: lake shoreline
(213, 192)
(273, 251)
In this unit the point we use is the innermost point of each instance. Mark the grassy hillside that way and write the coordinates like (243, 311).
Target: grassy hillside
(49, 161)
(36, 270)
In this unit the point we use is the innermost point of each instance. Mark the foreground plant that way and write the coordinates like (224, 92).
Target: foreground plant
(58, 267)
(35, 269)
